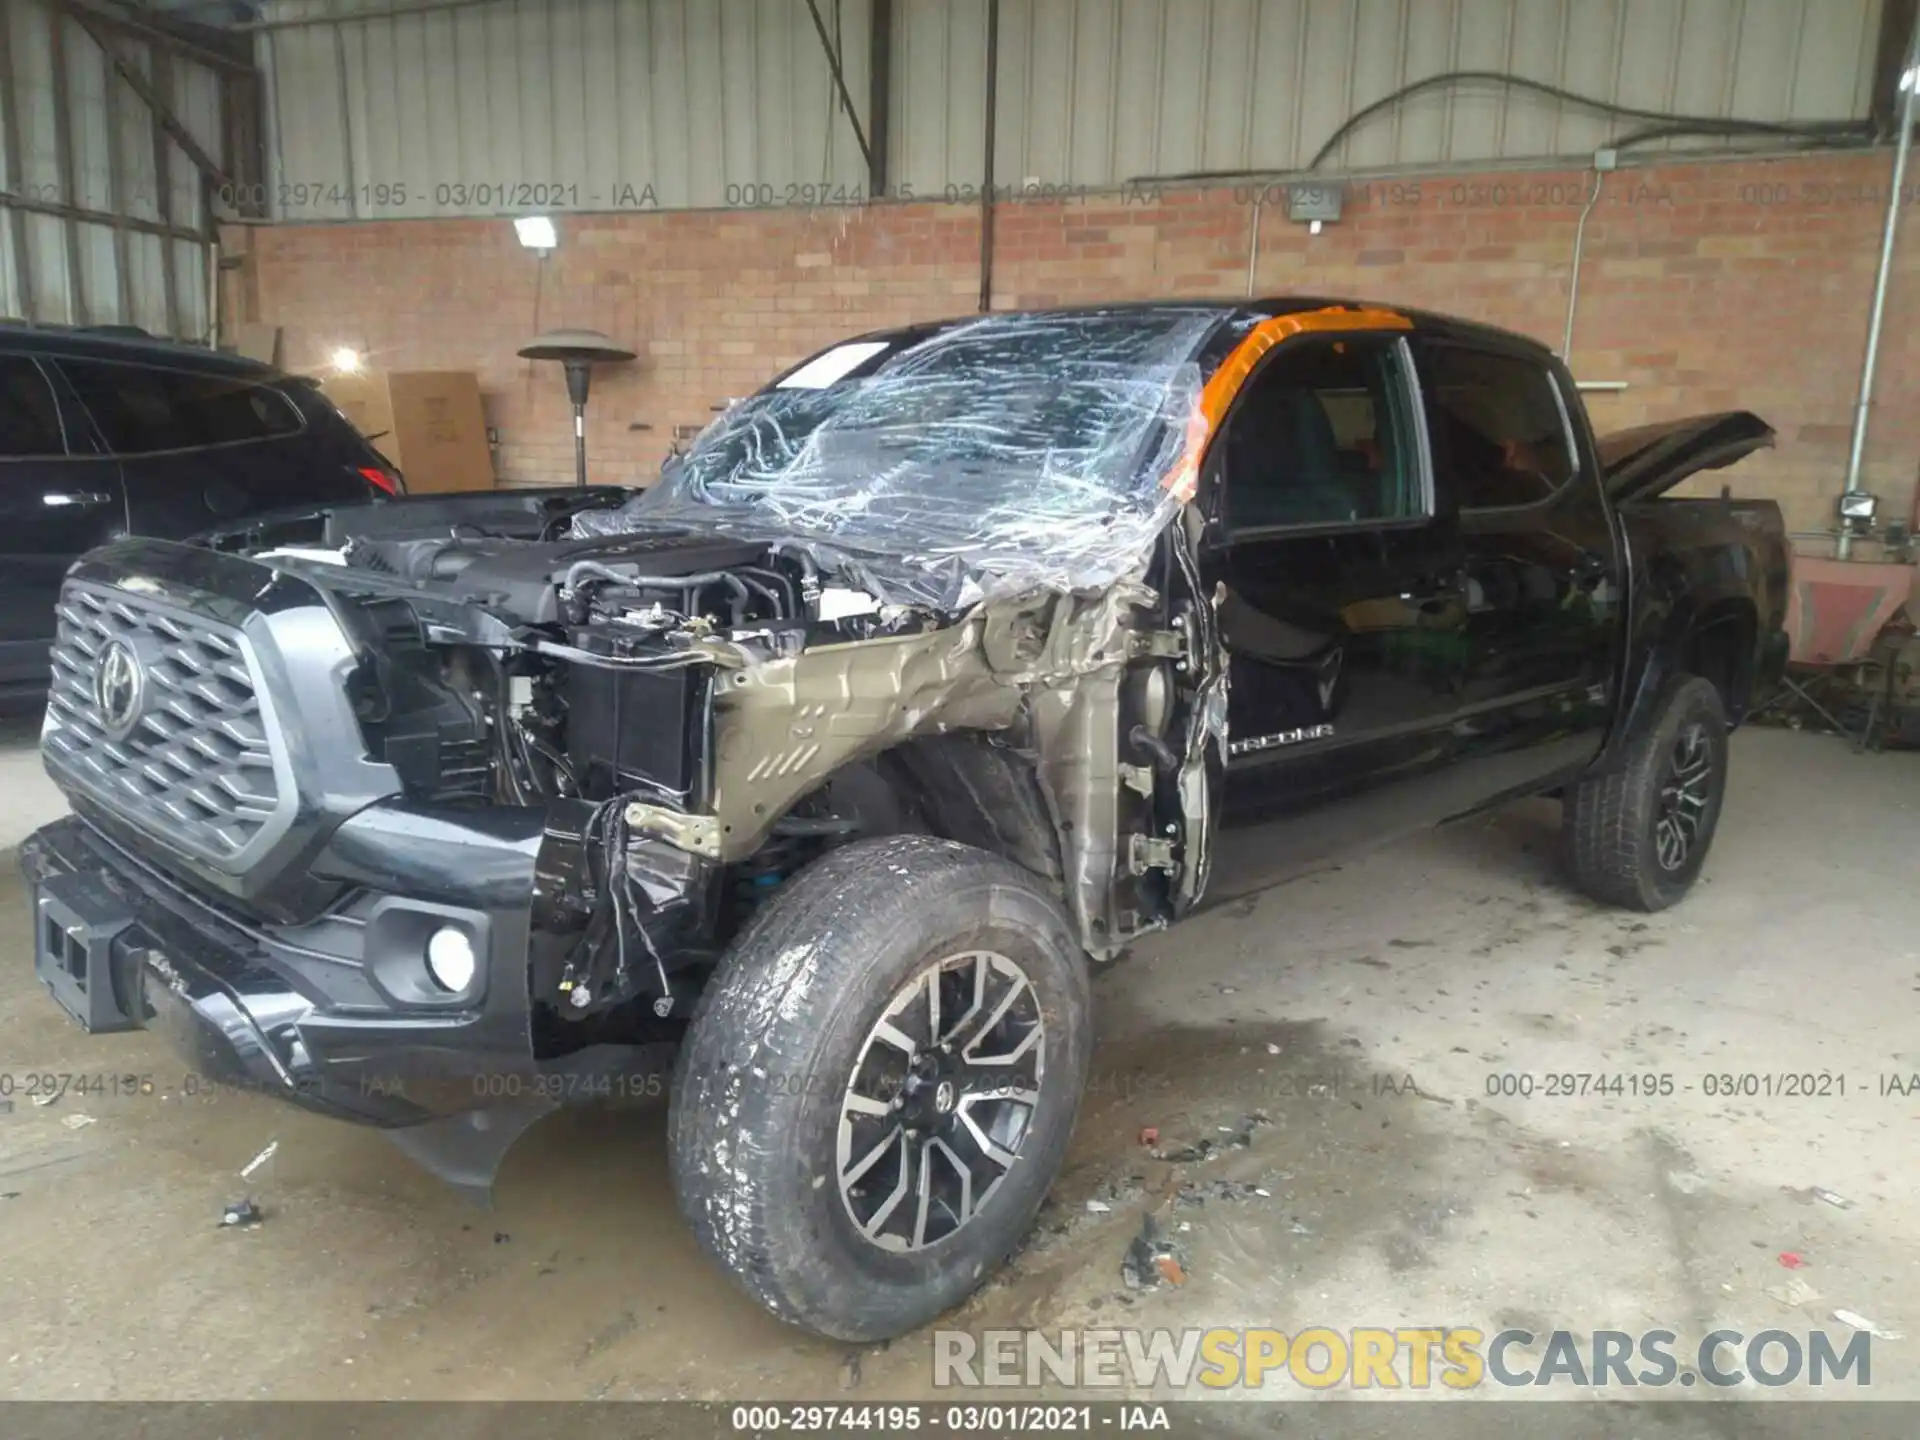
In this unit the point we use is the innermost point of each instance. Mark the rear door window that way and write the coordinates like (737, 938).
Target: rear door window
(29, 420)
(142, 409)
(1498, 428)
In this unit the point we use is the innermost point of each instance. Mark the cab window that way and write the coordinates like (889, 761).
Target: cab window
(1322, 435)
(1499, 433)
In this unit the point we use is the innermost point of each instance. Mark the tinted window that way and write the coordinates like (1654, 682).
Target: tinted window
(139, 408)
(1496, 424)
(29, 424)
(1321, 435)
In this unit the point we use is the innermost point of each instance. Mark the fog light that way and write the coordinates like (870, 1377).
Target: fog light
(450, 958)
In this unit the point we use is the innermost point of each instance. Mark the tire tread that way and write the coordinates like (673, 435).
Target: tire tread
(1608, 816)
(737, 1017)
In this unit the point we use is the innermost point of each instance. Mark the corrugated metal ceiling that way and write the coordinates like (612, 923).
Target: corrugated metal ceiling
(581, 104)
(573, 104)
(99, 153)
(1095, 92)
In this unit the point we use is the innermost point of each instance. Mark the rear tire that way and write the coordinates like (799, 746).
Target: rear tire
(907, 1017)
(1637, 835)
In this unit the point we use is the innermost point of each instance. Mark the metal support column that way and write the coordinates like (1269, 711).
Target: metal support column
(163, 183)
(16, 217)
(1857, 452)
(79, 311)
(879, 94)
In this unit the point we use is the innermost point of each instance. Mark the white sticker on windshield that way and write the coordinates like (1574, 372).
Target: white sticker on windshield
(823, 370)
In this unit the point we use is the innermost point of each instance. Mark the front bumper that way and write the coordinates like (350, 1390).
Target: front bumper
(335, 1015)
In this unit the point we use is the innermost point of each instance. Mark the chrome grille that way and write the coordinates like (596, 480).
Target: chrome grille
(197, 768)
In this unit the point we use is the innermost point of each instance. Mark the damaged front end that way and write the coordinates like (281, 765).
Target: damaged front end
(1102, 700)
(590, 748)
(1005, 500)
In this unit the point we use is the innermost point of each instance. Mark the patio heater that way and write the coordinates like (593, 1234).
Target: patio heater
(579, 351)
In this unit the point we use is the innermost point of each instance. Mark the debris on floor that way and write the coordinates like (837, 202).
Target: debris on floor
(1197, 1193)
(46, 1099)
(1792, 1259)
(1861, 1322)
(1187, 1154)
(1152, 1258)
(254, 1164)
(1792, 1292)
(242, 1212)
(1099, 1207)
(1119, 1190)
(1150, 1135)
(1239, 1137)
(76, 1122)
(1812, 1193)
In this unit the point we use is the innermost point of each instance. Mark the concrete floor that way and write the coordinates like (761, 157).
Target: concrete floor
(28, 799)
(1446, 959)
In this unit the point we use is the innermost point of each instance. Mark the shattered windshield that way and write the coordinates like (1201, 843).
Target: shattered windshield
(1008, 452)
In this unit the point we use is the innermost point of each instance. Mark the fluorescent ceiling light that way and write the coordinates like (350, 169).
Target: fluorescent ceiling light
(345, 360)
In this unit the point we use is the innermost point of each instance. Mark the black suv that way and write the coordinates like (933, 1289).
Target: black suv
(110, 433)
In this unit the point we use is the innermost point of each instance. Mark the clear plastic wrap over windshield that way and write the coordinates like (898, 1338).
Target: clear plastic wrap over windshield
(999, 456)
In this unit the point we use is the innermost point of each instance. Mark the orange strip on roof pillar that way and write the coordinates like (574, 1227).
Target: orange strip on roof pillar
(1217, 395)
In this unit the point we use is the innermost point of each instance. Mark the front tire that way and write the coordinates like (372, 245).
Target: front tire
(1637, 835)
(880, 1083)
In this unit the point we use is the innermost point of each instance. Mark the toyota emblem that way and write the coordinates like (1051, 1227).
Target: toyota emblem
(119, 685)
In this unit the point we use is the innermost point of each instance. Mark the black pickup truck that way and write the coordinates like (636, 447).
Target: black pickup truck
(959, 657)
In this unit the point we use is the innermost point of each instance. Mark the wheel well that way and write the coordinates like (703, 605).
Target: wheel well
(1719, 649)
(979, 792)
(961, 787)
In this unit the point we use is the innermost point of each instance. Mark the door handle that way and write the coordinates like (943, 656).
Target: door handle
(76, 499)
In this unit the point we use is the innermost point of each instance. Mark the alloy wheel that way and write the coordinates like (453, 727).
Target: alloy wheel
(941, 1099)
(1686, 790)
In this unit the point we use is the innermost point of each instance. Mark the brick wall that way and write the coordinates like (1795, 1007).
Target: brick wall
(1703, 286)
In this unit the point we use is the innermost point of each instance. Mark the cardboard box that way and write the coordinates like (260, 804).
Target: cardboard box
(428, 423)
(363, 400)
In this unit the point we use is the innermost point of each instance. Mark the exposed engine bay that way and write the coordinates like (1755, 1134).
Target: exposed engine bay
(939, 581)
(702, 715)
